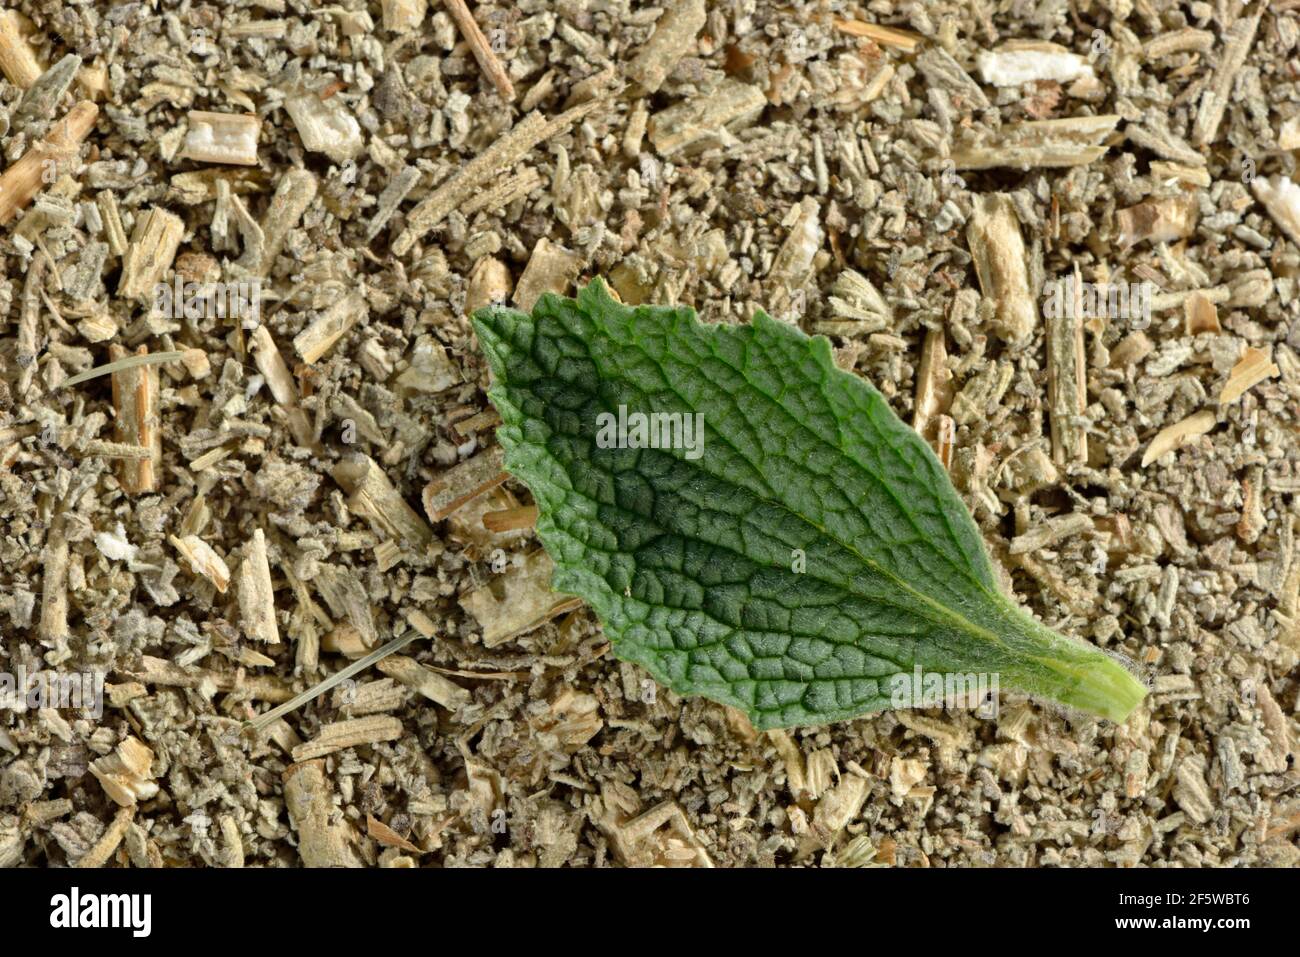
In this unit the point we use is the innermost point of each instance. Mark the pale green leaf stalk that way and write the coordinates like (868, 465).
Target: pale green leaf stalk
(808, 553)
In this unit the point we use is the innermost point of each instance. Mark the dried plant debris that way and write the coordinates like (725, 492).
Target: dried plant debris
(222, 138)
(43, 162)
(1022, 61)
(217, 497)
(1002, 267)
(1073, 141)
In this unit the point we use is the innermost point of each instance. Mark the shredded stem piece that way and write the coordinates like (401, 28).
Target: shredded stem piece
(121, 365)
(361, 664)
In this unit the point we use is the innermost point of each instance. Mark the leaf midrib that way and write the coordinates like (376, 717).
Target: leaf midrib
(665, 532)
(710, 337)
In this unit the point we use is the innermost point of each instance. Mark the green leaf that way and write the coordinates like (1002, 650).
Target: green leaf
(693, 562)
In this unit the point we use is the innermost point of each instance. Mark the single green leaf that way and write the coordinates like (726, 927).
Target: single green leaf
(811, 557)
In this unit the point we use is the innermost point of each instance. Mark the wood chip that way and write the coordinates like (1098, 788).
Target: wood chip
(1200, 315)
(836, 809)
(1067, 383)
(517, 601)
(706, 120)
(46, 161)
(233, 855)
(403, 16)
(1179, 434)
(463, 482)
(903, 40)
(17, 58)
(372, 697)
(479, 46)
(934, 385)
(375, 497)
(505, 152)
(508, 520)
(941, 70)
(421, 680)
(280, 381)
(29, 325)
(1160, 140)
(1001, 265)
(858, 306)
(1049, 143)
(325, 126)
(135, 399)
(673, 37)
(114, 234)
(1237, 43)
(203, 559)
(945, 439)
(489, 284)
(1186, 40)
(1193, 175)
(1281, 198)
(479, 422)
(503, 192)
(330, 326)
(1276, 729)
(53, 625)
(348, 734)
(1030, 61)
(345, 639)
(127, 774)
(154, 241)
(1288, 134)
(256, 593)
(167, 674)
(222, 138)
(99, 855)
(1157, 221)
(792, 267)
(1254, 367)
(391, 198)
(295, 192)
(1191, 792)
(551, 268)
(324, 838)
(430, 369)
(660, 837)
(1051, 532)
(385, 835)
